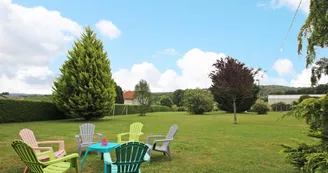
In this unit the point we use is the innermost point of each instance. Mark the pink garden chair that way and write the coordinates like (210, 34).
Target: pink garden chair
(27, 136)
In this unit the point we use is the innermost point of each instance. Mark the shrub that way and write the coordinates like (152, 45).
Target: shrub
(280, 106)
(23, 111)
(310, 158)
(159, 108)
(198, 101)
(181, 109)
(303, 97)
(174, 108)
(120, 109)
(166, 101)
(143, 96)
(260, 108)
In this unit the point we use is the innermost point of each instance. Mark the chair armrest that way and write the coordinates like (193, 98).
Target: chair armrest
(107, 159)
(122, 134)
(49, 153)
(164, 140)
(158, 141)
(43, 148)
(99, 136)
(61, 159)
(60, 143)
(78, 139)
(147, 158)
(154, 136)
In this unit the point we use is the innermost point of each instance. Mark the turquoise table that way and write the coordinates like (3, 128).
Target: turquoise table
(99, 148)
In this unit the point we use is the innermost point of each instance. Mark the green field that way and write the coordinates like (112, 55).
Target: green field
(204, 143)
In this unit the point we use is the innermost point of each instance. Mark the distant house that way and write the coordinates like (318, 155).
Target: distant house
(129, 98)
(288, 99)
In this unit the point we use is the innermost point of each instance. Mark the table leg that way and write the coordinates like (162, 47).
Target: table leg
(84, 157)
(102, 156)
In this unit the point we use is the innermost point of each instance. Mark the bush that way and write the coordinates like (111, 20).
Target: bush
(23, 111)
(303, 97)
(159, 108)
(260, 108)
(120, 109)
(181, 109)
(280, 106)
(198, 101)
(174, 108)
(166, 101)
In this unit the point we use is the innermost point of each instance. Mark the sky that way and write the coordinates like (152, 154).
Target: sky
(170, 44)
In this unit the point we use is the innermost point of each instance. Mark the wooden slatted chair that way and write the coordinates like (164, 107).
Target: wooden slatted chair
(134, 134)
(30, 158)
(129, 157)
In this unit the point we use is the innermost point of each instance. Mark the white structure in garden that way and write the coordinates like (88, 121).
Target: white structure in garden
(288, 99)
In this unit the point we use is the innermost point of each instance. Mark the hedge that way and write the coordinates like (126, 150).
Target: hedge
(120, 109)
(23, 110)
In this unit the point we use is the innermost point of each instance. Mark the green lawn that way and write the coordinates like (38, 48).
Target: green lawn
(204, 143)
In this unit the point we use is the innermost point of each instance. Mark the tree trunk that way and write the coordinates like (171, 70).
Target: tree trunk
(234, 112)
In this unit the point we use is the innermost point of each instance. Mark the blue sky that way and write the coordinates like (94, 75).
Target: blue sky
(251, 31)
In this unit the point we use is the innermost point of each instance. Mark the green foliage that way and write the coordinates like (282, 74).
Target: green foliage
(311, 158)
(174, 107)
(85, 87)
(198, 101)
(317, 71)
(22, 111)
(157, 96)
(242, 103)
(121, 109)
(39, 97)
(181, 109)
(278, 92)
(280, 106)
(303, 97)
(159, 108)
(314, 30)
(260, 108)
(119, 99)
(178, 97)
(143, 96)
(166, 101)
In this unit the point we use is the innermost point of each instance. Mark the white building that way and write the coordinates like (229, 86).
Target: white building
(288, 99)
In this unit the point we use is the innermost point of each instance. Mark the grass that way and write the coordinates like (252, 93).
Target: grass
(204, 143)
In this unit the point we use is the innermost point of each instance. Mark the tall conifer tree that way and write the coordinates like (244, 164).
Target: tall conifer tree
(85, 87)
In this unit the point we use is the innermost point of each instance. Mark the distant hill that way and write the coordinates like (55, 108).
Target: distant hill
(270, 89)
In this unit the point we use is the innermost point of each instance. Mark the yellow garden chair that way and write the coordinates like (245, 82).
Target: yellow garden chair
(30, 159)
(134, 134)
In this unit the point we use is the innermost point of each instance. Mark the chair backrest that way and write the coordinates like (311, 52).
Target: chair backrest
(28, 156)
(129, 157)
(27, 136)
(173, 130)
(87, 131)
(135, 128)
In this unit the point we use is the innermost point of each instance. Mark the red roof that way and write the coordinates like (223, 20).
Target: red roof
(128, 95)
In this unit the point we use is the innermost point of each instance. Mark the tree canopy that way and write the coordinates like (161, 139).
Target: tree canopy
(198, 101)
(233, 80)
(314, 30)
(142, 95)
(178, 97)
(119, 94)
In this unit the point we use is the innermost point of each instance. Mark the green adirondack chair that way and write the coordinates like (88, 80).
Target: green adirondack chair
(129, 157)
(135, 132)
(30, 158)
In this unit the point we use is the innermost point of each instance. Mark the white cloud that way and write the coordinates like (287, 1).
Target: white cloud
(266, 80)
(108, 29)
(283, 67)
(195, 66)
(304, 79)
(31, 39)
(291, 4)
